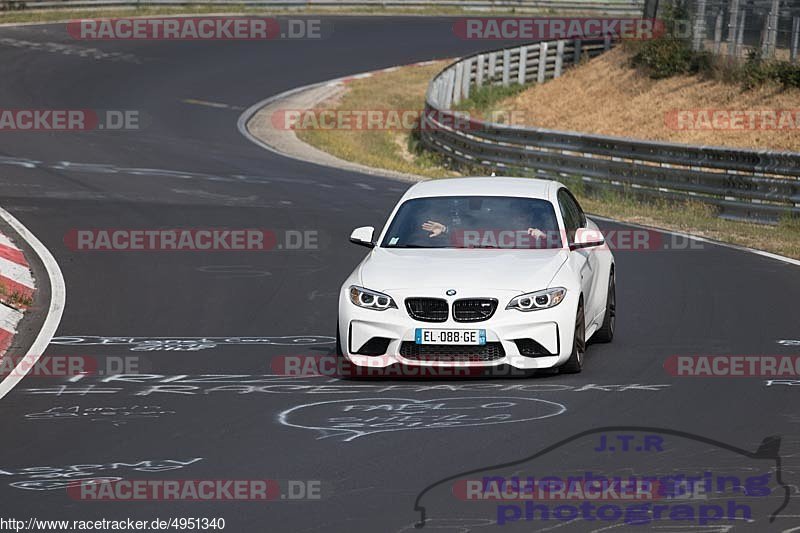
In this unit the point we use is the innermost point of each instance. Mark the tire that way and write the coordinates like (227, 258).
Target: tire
(339, 351)
(606, 331)
(575, 362)
(344, 369)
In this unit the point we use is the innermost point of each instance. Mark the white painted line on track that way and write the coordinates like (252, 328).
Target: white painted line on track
(762, 253)
(206, 103)
(58, 297)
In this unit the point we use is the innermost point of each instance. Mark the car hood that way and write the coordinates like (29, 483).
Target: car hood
(518, 270)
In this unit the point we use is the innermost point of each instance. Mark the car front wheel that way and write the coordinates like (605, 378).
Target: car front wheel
(338, 341)
(575, 362)
(344, 369)
(606, 331)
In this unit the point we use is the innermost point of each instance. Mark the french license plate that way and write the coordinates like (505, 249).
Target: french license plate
(450, 336)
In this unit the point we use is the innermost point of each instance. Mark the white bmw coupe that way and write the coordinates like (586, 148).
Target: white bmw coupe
(479, 272)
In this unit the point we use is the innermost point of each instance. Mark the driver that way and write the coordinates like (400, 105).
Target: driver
(520, 216)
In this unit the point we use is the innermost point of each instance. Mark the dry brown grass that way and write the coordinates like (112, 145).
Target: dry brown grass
(698, 219)
(399, 90)
(607, 97)
(405, 88)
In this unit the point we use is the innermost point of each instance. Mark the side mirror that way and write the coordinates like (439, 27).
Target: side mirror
(363, 236)
(587, 238)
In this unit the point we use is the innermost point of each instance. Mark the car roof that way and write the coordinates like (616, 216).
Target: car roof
(483, 186)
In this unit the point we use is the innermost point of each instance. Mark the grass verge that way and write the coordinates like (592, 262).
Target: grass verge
(402, 91)
(698, 219)
(404, 88)
(608, 96)
(16, 299)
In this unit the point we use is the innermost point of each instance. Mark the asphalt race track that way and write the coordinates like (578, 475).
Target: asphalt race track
(189, 167)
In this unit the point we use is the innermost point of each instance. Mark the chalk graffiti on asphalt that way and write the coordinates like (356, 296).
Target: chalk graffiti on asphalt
(171, 344)
(200, 384)
(60, 477)
(356, 418)
(782, 383)
(116, 415)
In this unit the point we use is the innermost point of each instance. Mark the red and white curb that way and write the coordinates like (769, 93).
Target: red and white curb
(16, 288)
(9, 318)
(15, 275)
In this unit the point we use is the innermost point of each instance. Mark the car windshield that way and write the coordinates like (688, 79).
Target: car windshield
(474, 222)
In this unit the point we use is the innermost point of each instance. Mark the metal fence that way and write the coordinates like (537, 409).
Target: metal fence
(738, 27)
(760, 186)
(616, 7)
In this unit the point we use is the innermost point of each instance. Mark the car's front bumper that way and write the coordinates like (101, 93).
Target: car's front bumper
(551, 329)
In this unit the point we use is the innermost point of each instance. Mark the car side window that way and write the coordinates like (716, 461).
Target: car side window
(581, 214)
(571, 212)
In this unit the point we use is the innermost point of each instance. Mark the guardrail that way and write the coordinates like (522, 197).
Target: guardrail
(754, 185)
(618, 7)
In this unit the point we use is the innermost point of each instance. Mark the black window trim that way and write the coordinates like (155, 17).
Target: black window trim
(568, 229)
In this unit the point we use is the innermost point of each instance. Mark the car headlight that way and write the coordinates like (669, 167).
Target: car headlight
(533, 301)
(371, 299)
